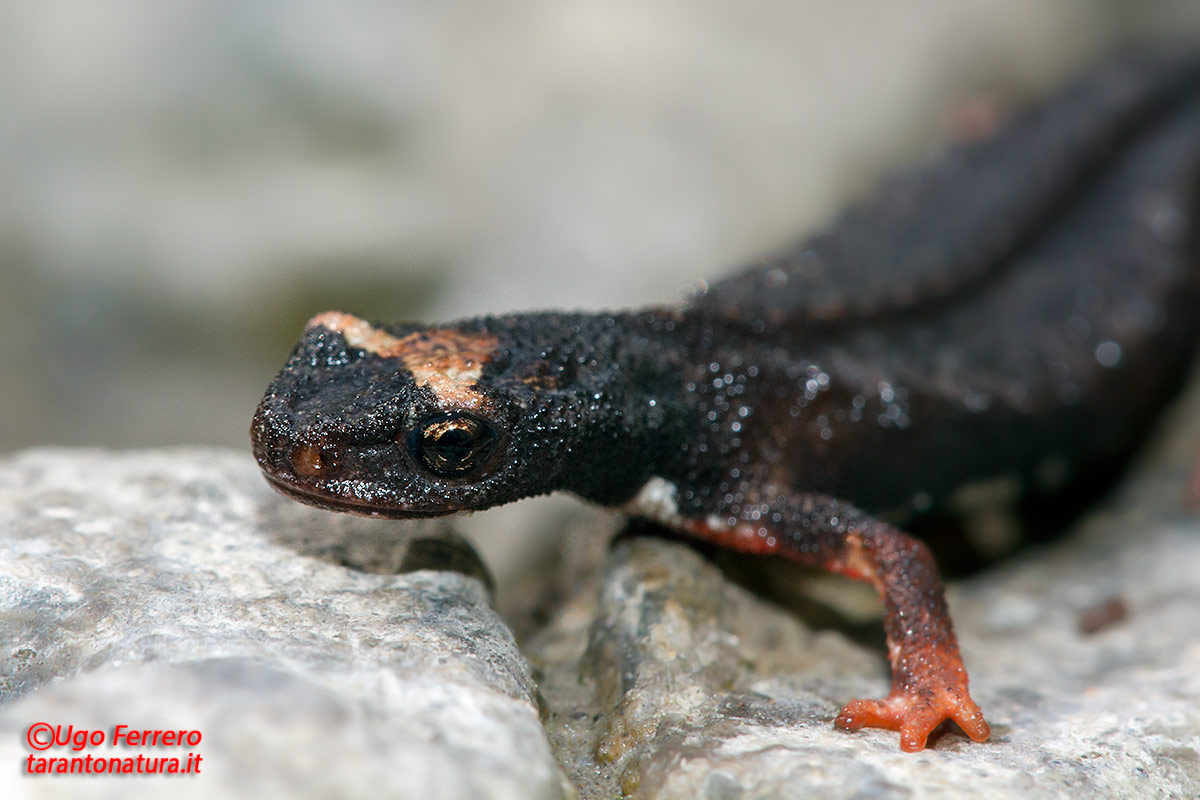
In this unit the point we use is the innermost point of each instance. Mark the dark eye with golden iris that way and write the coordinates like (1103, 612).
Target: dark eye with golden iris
(453, 445)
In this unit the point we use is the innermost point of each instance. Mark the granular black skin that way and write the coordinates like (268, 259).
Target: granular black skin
(1019, 309)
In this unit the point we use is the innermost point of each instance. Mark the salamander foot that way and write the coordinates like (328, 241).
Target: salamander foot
(916, 713)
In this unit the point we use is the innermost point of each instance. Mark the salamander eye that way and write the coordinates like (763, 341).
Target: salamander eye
(453, 445)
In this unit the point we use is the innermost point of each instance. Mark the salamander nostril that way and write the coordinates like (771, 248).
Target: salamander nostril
(313, 462)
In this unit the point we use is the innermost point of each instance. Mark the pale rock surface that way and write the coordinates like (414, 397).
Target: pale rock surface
(172, 589)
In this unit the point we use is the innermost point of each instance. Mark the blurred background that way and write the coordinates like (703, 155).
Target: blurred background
(184, 182)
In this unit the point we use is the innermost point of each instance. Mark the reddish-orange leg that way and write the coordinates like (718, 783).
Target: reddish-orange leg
(929, 681)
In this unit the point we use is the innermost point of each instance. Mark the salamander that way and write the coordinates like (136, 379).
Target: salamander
(1017, 309)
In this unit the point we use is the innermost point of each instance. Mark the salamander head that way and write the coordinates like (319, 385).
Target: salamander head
(409, 422)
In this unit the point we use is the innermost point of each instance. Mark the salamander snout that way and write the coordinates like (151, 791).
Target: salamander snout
(284, 456)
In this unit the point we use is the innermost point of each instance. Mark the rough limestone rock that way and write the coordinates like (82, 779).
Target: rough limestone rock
(171, 589)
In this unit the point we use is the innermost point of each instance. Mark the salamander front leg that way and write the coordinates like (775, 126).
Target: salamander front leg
(929, 681)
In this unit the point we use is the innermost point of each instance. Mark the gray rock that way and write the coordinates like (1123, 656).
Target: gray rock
(171, 589)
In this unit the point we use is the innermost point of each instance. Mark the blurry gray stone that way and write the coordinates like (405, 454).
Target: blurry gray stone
(172, 589)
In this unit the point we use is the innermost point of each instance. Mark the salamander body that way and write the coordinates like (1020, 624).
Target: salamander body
(1018, 309)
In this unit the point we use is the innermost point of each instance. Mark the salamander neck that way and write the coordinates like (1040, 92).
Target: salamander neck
(602, 391)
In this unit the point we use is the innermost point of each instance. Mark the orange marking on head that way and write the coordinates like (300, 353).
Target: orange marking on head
(449, 362)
